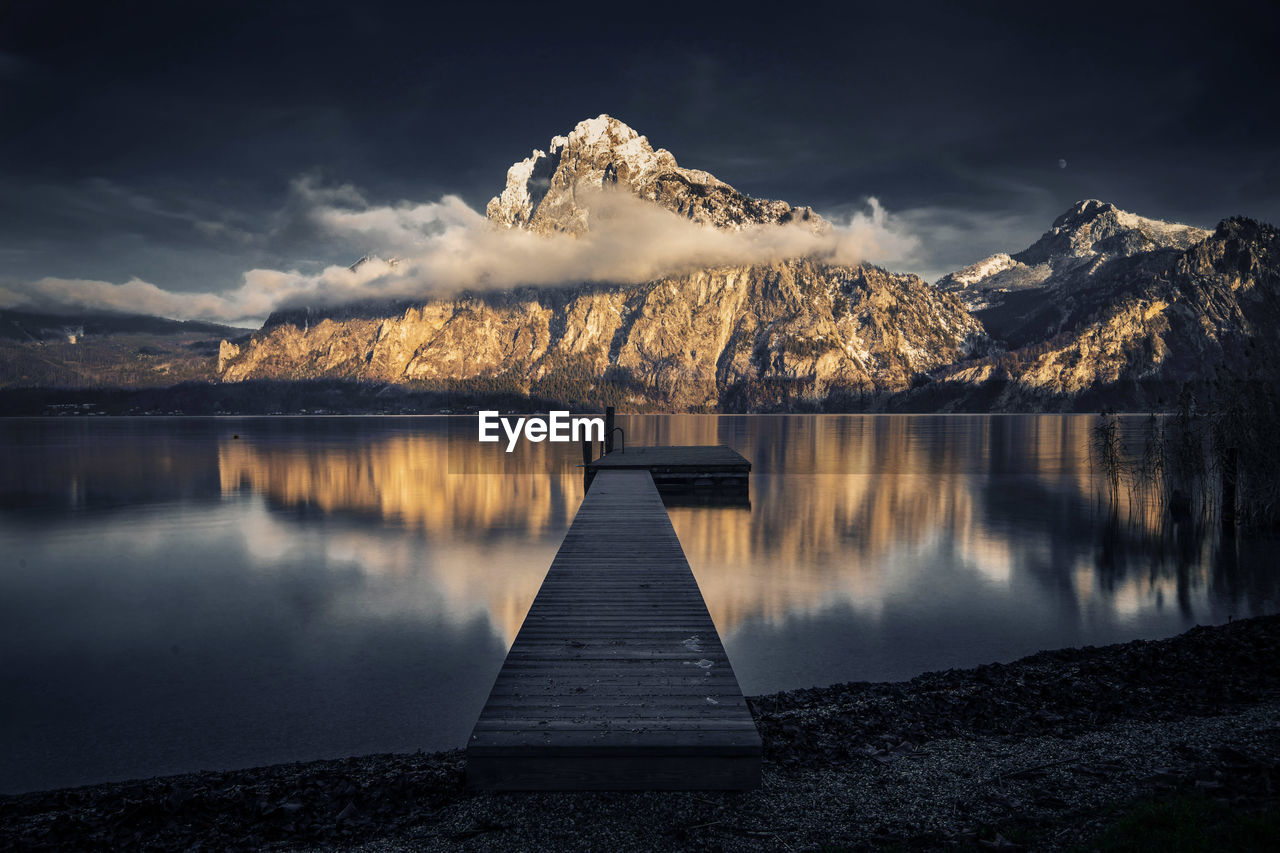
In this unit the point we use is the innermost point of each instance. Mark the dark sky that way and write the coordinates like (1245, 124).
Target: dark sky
(160, 141)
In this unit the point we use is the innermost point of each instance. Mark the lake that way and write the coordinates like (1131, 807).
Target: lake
(182, 594)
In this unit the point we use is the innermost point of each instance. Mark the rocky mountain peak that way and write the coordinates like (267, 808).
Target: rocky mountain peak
(551, 191)
(1091, 227)
(1084, 211)
(1245, 229)
(1078, 265)
(603, 141)
(1081, 241)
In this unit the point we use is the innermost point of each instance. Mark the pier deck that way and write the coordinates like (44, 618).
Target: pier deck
(617, 678)
(690, 470)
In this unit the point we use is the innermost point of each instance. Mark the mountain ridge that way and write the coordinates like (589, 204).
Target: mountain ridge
(1040, 291)
(1106, 307)
(751, 336)
(746, 335)
(1085, 306)
(1205, 315)
(603, 153)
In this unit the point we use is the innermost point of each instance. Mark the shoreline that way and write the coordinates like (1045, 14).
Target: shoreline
(1043, 751)
(331, 396)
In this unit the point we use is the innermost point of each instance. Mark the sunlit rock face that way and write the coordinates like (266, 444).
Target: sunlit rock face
(755, 336)
(1089, 249)
(549, 191)
(731, 337)
(1158, 320)
(1106, 308)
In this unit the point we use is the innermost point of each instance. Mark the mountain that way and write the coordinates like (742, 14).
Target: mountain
(27, 326)
(752, 337)
(1091, 251)
(1106, 308)
(77, 348)
(1134, 330)
(760, 336)
(549, 191)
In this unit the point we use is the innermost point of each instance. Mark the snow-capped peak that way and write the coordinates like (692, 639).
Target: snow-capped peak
(1083, 239)
(543, 190)
(516, 202)
(1092, 227)
(591, 130)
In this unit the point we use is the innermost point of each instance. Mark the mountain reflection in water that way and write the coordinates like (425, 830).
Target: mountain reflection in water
(188, 593)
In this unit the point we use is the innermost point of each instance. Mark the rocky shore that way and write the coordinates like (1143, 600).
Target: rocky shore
(1055, 751)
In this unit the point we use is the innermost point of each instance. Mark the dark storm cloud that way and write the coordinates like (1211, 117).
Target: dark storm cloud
(160, 141)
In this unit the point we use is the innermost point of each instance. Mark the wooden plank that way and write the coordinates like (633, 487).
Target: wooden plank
(620, 693)
(652, 771)
(705, 744)
(617, 678)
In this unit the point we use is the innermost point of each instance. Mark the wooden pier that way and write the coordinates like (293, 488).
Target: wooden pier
(617, 678)
(716, 473)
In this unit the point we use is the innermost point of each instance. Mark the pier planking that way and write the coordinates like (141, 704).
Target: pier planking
(695, 474)
(617, 678)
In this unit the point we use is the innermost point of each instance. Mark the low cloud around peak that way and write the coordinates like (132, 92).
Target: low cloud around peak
(442, 247)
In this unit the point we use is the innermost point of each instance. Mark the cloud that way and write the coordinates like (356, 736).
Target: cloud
(214, 230)
(954, 237)
(133, 296)
(430, 249)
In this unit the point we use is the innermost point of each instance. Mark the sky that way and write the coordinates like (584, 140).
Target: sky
(188, 159)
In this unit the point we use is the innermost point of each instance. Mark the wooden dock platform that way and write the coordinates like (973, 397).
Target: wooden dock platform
(617, 678)
(711, 470)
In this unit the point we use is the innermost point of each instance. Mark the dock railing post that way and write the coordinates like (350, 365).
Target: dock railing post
(608, 429)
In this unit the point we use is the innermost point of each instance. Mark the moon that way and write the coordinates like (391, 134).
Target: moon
(1062, 164)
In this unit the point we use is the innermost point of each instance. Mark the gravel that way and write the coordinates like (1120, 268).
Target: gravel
(1042, 750)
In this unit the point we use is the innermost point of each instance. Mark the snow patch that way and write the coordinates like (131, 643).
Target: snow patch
(1169, 231)
(515, 205)
(984, 268)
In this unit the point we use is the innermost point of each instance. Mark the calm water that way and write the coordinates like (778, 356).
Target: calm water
(184, 594)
